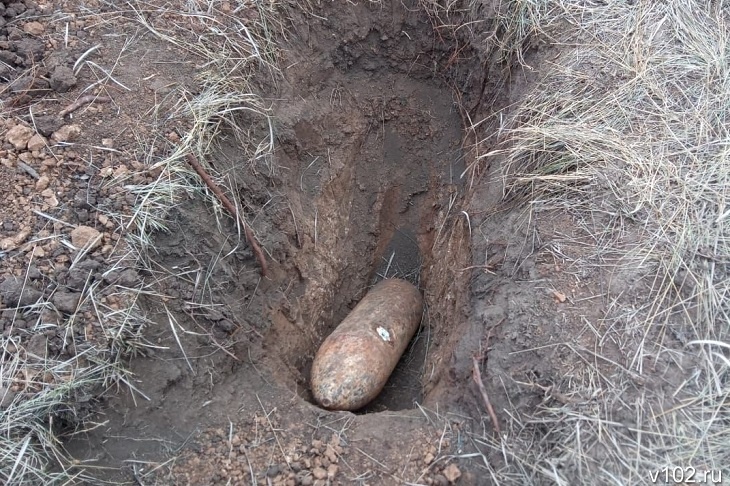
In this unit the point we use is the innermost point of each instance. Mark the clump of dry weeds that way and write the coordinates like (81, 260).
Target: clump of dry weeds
(628, 132)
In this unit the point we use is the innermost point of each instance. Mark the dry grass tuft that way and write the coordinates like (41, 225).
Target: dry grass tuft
(232, 53)
(629, 133)
(43, 395)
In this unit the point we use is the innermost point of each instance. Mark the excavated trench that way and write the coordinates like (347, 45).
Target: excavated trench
(365, 183)
(370, 165)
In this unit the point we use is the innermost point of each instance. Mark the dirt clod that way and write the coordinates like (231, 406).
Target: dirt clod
(66, 302)
(19, 136)
(30, 86)
(62, 79)
(12, 242)
(42, 183)
(452, 473)
(34, 28)
(85, 237)
(16, 292)
(36, 142)
(440, 480)
(47, 124)
(319, 473)
(31, 50)
(428, 458)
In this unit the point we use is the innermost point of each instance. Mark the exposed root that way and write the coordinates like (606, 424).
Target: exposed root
(83, 101)
(477, 375)
(231, 209)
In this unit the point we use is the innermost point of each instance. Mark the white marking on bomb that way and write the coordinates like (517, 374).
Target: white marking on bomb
(384, 334)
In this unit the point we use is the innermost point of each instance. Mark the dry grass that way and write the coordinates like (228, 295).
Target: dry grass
(628, 132)
(44, 394)
(231, 51)
(232, 54)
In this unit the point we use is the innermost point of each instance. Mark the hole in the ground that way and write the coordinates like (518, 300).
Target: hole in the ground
(375, 145)
(372, 136)
(365, 184)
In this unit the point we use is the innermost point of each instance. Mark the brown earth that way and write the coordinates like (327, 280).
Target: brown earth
(368, 181)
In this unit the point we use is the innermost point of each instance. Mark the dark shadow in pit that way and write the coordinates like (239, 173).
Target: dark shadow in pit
(402, 259)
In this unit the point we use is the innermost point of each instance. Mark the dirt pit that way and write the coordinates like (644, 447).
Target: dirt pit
(368, 168)
(368, 181)
(374, 145)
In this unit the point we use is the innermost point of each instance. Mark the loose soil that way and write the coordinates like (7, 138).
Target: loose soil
(367, 181)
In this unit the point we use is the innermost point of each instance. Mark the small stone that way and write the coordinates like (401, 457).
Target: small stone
(84, 236)
(16, 292)
(66, 133)
(47, 124)
(319, 473)
(428, 459)
(66, 302)
(107, 142)
(272, 471)
(452, 473)
(332, 471)
(34, 28)
(62, 79)
(42, 183)
(36, 142)
(19, 136)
